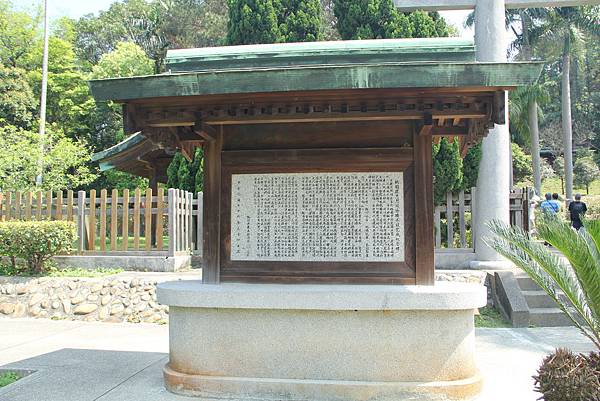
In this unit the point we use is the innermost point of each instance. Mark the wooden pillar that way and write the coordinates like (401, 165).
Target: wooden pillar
(424, 243)
(212, 210)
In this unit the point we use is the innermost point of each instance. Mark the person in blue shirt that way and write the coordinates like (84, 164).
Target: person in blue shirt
(550, 206)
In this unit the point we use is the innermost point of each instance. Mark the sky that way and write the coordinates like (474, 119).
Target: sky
(77, 8)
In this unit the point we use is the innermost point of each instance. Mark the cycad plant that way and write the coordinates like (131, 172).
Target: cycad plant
(578, 280)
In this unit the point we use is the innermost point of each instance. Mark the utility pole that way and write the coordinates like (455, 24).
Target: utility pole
(42, 131)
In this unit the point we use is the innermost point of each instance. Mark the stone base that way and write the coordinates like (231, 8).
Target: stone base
(130, 261)
(491, 265)
(322, 342)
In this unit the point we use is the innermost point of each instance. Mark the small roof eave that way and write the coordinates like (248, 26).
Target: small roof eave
(319, 78)
(125, 145)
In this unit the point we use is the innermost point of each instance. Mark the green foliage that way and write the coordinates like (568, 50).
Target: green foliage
(127, 60)
(447, 169)
(36, 241)
(7, 378)
(379, 19)
(299, 20)
(547, 172)
(586, 171)
(252, 21)
(115, 179)
(471, 167)
(182, 174)
(65, 161)
(273, 21)
(567, 376)
(578, 280)
(522, 165)
(17, 103)
(19, 32)
(173, 171)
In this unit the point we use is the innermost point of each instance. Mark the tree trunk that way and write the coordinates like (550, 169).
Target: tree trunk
(535, 146)
(566, 119)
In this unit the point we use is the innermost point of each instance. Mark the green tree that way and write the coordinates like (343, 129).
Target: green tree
(586, 171)
(185, 177)
(173, 170)
(379, 19)
(19, 32)
(471, 167)
(126, 60)
(447, 169)
(567, 26)
(17, 103)
(521, 164)
(299, 20)
(66, 162)
(252, 21)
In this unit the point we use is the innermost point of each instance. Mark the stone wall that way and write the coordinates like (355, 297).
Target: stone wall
(109, 299)
(112, 299)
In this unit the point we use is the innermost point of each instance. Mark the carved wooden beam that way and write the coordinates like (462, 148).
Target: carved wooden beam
(426, 125)
(207, 132)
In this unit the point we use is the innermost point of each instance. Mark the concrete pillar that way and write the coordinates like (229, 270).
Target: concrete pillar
(493, 184)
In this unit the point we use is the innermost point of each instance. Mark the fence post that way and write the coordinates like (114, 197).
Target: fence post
(199, 222)
(450, 219)
(190, 217)
(473, 218)
(81, 221)
(172, 222)
(461, 219)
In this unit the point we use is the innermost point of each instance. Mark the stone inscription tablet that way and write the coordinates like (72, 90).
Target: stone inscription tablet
(318, 217)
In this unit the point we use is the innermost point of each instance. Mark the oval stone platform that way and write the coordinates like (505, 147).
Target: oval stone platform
(322, 342)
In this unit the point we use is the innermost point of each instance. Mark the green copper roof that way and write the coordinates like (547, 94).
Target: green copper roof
(321, 53)
(319, 77)
(127, 143)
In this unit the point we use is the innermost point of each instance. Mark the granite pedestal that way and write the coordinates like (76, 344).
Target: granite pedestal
(322, 342)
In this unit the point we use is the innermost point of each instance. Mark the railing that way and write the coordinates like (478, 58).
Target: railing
(459, 209)
(133, 221)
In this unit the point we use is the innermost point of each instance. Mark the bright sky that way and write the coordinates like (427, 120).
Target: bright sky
(77, 8)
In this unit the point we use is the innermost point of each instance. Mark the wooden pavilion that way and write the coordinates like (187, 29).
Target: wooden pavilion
(373, 106)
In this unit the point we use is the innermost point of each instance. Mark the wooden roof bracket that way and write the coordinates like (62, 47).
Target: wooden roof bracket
(499, 108)
(426, 125)
(207, 132)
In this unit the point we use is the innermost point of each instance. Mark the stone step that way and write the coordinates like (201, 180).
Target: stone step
(526, 283)
(548, 317)
(538, 299)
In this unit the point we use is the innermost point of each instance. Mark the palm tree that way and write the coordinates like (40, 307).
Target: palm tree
(566, 26)
(579, 280)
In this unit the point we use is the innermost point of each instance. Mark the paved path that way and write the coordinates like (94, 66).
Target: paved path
(81, 361)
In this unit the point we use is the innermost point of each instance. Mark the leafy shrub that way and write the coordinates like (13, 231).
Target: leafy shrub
(593, 206)
(35, 241)
(567, 376)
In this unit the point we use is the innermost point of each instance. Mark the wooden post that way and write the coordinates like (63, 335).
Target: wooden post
(114, 215)
(125, 223)
(473, 215)
(159, 218)
(190, 220)
(172, 222)
(18, 205)
(49, 205)
(40, 206)
(8, 206)
(425, 268)
(28, 199)
(70, 205)
(449, 219)
(103, 220)
(437, 227)
(148, 219)
(92, 221)
(461, 219)
(199, 235)
(59, 205)
(81, 221)
(136, 219)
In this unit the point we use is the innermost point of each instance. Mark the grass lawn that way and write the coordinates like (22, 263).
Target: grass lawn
(8, 378)
(491, 318)
(553, 185)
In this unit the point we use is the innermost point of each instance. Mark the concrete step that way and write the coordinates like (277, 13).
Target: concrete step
(548, 317)
(538, 299)
(526, 283)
